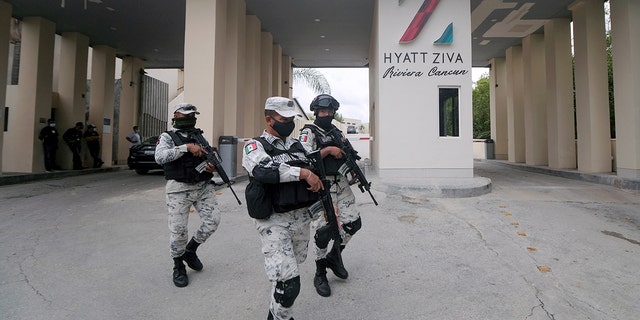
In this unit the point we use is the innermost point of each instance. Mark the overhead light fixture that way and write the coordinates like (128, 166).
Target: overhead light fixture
(316, 20)
(322, 36)
(327, 49)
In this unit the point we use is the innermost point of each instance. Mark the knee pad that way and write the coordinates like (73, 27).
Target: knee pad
(287, 291)
(353, 226)
(322, 236)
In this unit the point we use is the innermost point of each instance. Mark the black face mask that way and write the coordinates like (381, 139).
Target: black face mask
(323, 122)
(184, 123)
(283, 129)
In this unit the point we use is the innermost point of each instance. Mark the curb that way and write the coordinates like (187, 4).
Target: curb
(15, 178)
(437, 188)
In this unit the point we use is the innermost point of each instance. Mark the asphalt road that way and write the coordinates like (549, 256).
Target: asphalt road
(536, 247)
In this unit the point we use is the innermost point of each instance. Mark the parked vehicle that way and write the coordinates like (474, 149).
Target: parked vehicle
(352, 129)
(142, 157)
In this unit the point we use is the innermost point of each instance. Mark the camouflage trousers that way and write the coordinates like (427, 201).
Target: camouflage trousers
(179, 204)
(344, 199)
(285, 240)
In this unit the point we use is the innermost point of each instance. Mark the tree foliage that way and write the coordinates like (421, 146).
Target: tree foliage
(313, 78)
(481, 109)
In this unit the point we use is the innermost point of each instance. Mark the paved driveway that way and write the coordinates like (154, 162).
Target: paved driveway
(536, 247)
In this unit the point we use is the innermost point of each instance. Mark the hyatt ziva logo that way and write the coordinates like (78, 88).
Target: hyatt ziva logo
(420, 19)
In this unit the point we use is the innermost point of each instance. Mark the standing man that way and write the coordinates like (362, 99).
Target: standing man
(321, 136)
(279, 163)
(73, 138)
(179, 154)
(134, 137)
(92, 137)
(49, 137)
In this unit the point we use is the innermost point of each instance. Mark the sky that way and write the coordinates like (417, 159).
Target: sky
(350, 86)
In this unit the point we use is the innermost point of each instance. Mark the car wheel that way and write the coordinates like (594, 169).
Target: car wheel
(141, 171)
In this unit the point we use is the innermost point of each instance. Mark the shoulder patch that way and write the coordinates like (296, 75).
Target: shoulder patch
(250, 147)
(304, 137)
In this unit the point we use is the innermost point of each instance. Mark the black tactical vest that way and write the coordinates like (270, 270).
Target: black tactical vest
(331, 164)
(183, 169)
(287, 196)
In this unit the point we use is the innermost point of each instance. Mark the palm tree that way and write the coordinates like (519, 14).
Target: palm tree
(313, 78)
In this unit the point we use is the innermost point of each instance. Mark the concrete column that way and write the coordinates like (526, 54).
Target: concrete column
(33, 107)
(498, 106)
(535, 109)
(276, 71)
(560, 124)
(204, 63)
(103, 64)
(253, 108)
(287, 77)
(515, 104)
(72, 86)
(129, 105)
(266, 65)
(592, 93)
(5, 27)
(625, 31)
(234, 73)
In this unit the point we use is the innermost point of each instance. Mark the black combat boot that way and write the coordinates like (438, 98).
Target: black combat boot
(334, 262)
(179, 273)
(320, 279)
(190, 256)
(270, 316)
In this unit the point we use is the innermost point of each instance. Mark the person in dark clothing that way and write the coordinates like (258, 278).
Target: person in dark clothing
(49, 137)
(92, 137)
(73, 138)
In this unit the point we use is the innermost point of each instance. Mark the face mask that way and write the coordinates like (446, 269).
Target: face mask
(184, 123)
(283, 129)
(323, 122)
(52, 125)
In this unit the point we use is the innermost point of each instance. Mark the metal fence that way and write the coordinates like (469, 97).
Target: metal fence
(154, 100)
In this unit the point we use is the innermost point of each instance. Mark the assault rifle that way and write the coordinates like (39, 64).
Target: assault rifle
(350, 164)
(332, 229)
(213, 158)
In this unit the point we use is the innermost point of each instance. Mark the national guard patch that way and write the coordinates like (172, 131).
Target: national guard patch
(250, 147)
(303, 137)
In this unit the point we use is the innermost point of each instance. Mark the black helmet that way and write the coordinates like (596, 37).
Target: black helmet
(324, 101)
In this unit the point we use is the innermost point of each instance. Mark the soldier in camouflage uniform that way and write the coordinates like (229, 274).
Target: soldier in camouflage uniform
(316, 137)
(277, 162)
(179, 155)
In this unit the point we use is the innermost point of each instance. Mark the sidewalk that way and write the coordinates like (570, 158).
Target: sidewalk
(445, 188)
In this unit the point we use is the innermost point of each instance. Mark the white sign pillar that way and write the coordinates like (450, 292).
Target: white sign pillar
(421, 65)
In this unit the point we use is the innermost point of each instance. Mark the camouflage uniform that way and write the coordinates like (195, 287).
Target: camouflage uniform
(341, 194)
(284, 236)
(181, 196)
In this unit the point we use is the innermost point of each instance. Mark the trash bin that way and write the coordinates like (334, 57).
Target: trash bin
(228, 150)
(489, 150)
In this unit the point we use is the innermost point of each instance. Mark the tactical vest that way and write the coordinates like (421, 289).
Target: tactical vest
(183, 169)
(331, 164)
(292, 195)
